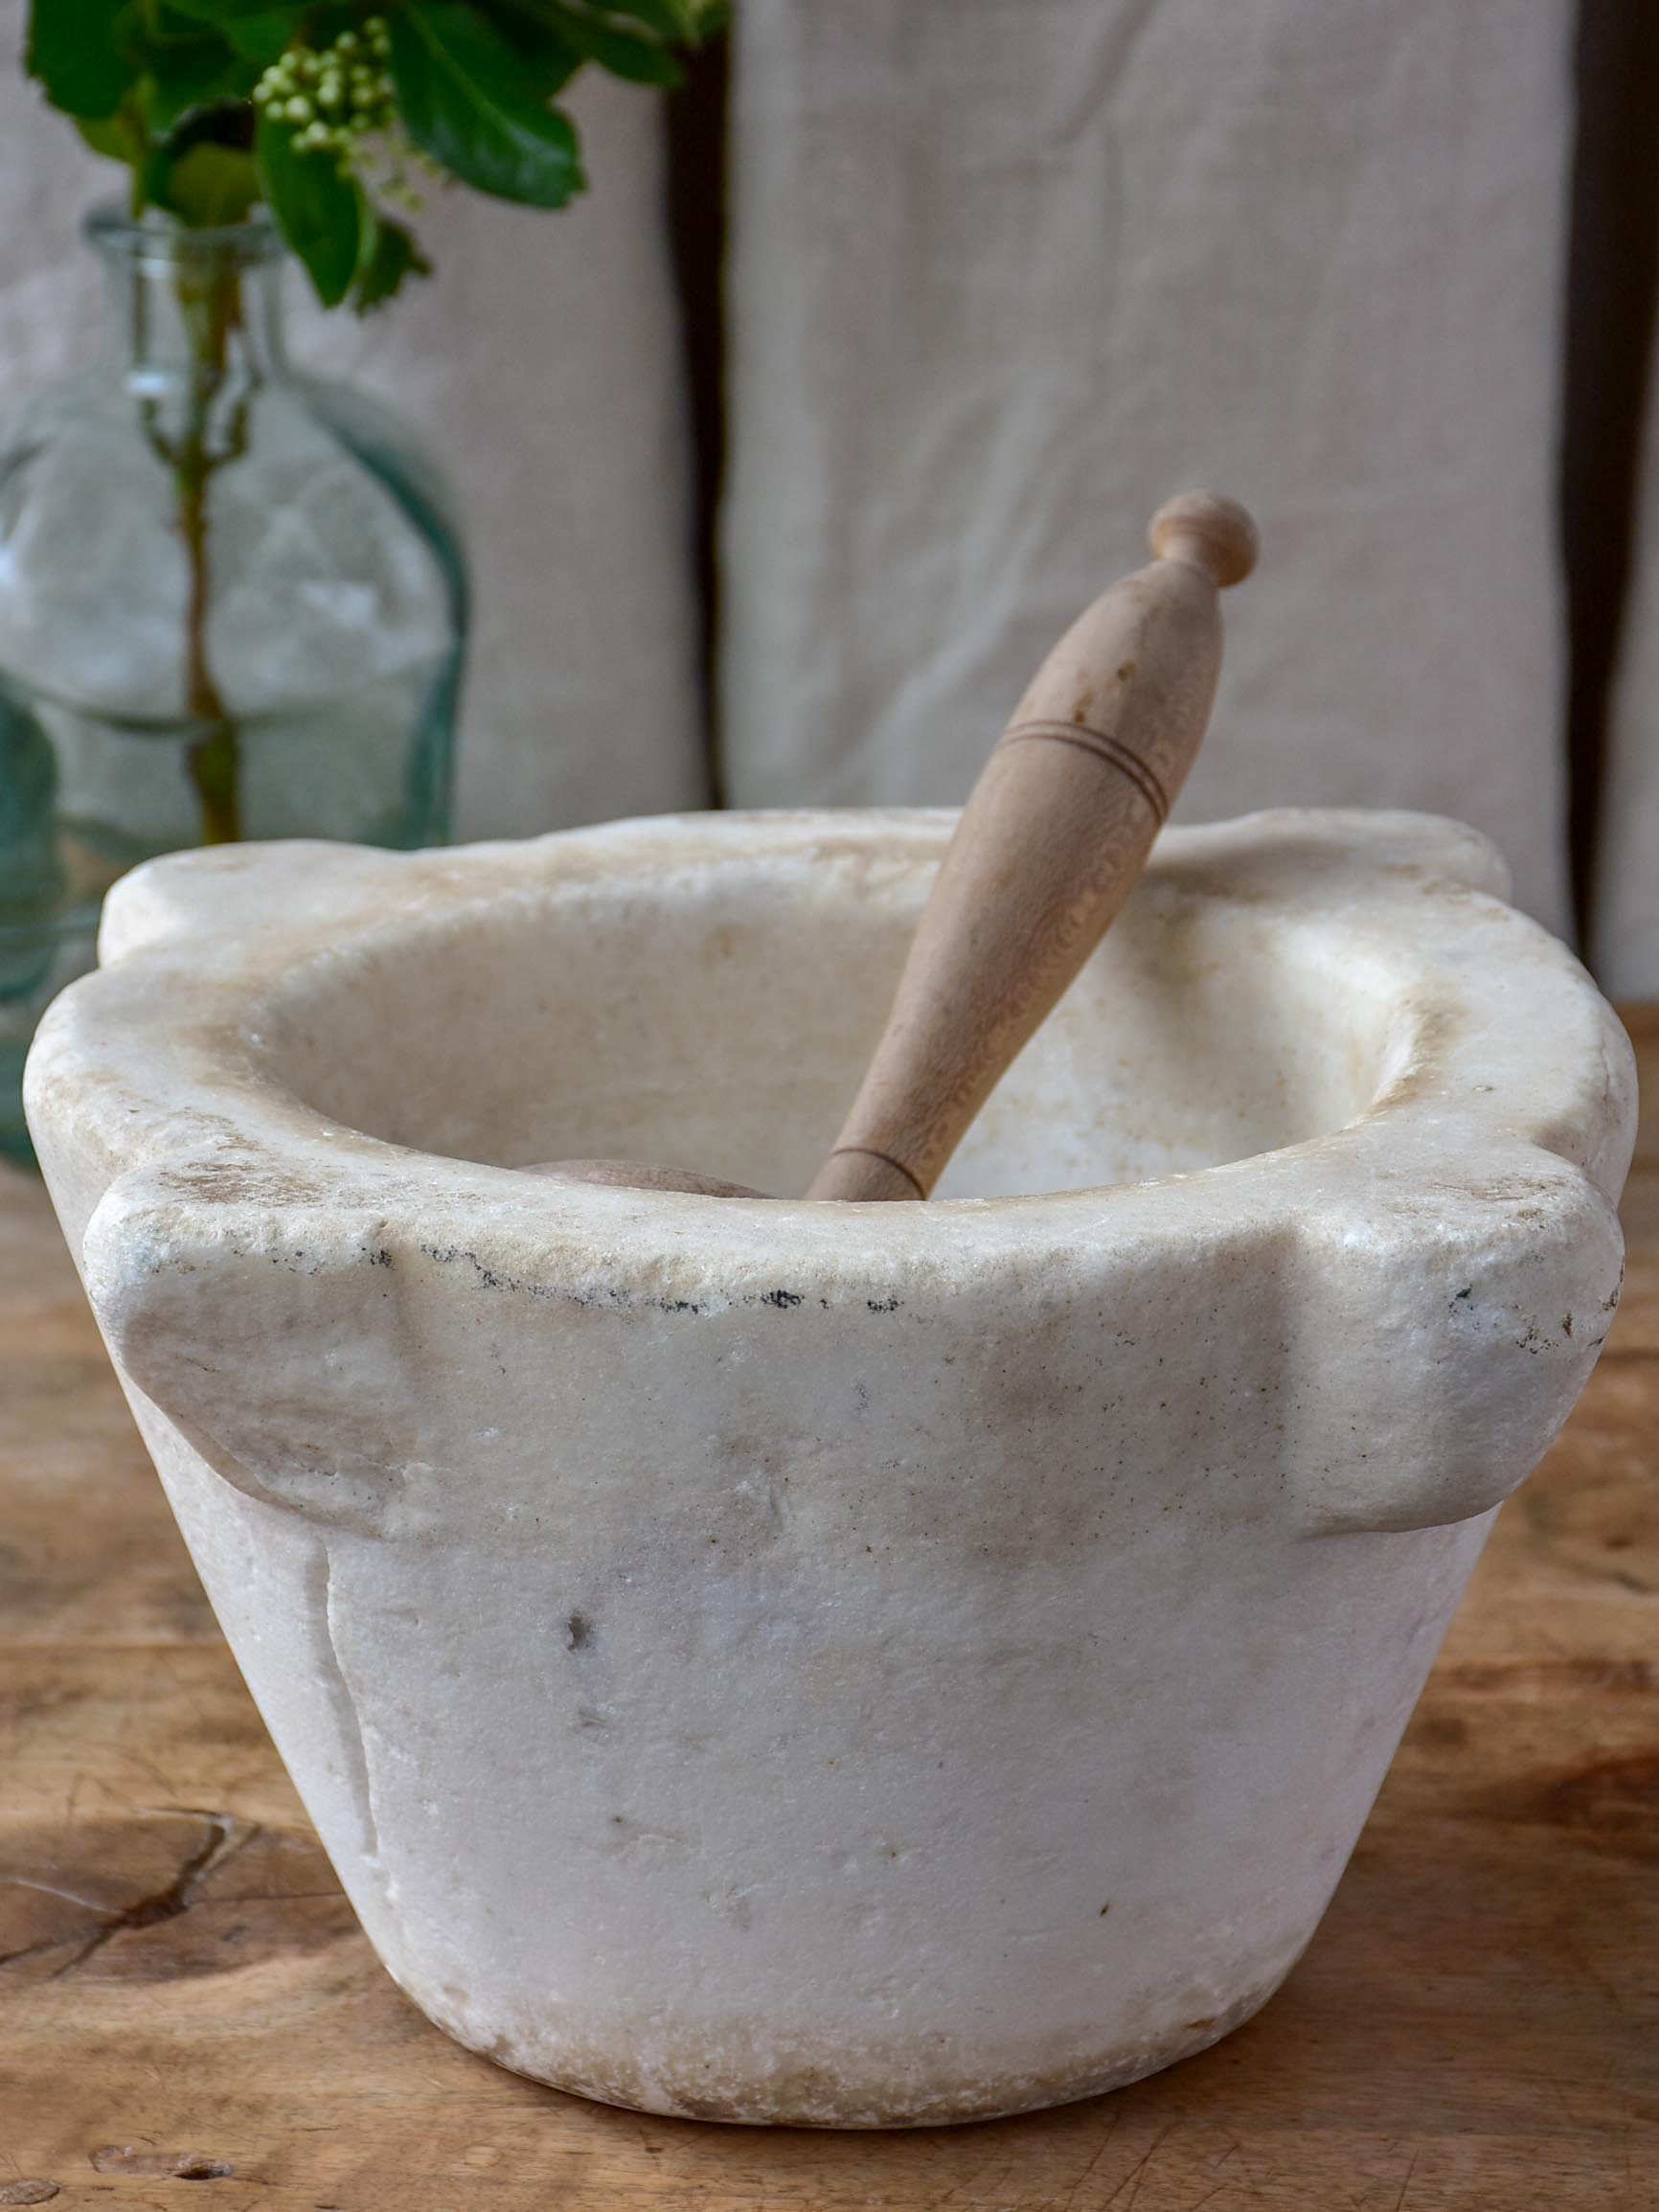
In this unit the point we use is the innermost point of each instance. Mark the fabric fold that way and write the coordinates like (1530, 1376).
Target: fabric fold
(1003, 278)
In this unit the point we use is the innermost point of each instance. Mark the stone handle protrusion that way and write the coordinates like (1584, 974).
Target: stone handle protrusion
(1052, 838)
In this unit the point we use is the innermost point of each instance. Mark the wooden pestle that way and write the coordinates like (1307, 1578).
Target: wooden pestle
(1050, 843)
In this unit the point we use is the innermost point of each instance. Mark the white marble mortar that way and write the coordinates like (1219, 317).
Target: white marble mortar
(843, 1665)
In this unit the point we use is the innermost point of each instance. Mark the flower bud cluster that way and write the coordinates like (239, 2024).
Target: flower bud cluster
(332, 96)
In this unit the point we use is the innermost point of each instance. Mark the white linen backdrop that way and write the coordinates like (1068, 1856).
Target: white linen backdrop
(1003, 277)
(543, 365)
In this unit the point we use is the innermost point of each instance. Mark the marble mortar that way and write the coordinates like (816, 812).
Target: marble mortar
(844, 1665)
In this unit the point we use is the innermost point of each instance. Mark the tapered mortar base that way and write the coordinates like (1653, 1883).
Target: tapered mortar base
(913, 2081)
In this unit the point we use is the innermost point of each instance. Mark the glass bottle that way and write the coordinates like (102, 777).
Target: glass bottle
(232, 604)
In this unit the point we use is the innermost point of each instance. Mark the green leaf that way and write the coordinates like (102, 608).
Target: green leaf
(550, 57)
(265, 37)
(118, 136)
(621, 47)
(260, 29)
(675, 20)
(164, 22)
(209, 187)
(222, 13)
(321, 213)
(462, 97)
(188, 75)
(75, 56)
(392, 257)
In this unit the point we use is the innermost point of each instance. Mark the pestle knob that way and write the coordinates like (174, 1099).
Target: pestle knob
(1207, 532)
(1049, 846)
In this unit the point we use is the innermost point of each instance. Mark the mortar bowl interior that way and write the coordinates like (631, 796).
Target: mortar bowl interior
(720, 1015)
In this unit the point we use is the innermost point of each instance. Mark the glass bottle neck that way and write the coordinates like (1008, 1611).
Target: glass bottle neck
(201, 309)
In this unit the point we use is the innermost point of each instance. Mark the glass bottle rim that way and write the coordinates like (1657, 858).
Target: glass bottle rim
(155, 243)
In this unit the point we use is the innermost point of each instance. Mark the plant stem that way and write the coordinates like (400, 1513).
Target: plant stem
(211, 306)
(211, 311)
(212, 759)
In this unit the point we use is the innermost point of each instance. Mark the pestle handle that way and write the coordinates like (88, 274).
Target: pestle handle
(1052, 838)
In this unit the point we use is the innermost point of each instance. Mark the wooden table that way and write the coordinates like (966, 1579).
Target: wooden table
(188, 2017)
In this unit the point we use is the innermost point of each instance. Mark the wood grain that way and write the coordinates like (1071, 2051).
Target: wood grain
(189, 2018)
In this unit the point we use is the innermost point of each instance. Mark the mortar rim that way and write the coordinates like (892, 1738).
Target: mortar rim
(1432, 878)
